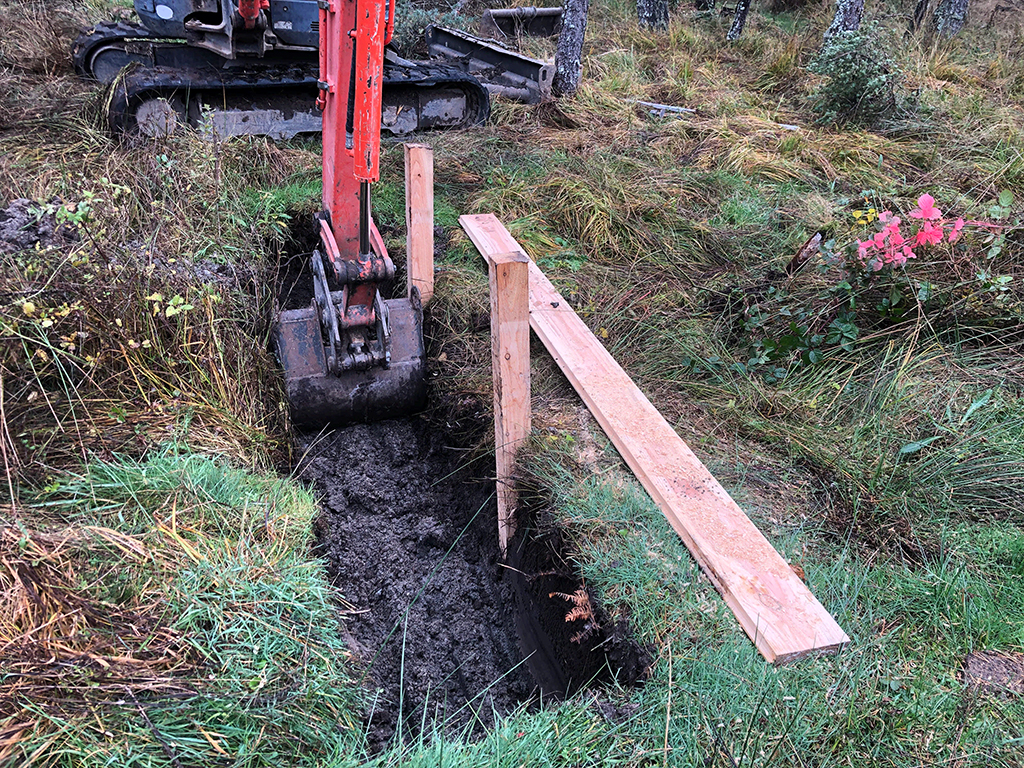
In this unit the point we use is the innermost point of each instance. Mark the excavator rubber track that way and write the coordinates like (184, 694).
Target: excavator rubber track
(270, 96)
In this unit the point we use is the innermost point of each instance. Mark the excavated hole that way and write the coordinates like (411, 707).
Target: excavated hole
(568, 639)
(444, 634)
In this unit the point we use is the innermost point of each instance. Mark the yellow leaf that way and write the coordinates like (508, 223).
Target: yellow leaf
(155, 297)
(28, 308)
(603, 333)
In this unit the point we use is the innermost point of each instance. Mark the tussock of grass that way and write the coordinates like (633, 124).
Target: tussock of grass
(191, 627)
(902, 437)
(205, 495)
(145, 324)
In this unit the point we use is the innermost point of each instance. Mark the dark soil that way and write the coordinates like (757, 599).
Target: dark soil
(994, 672)
(410, 538)
(25, 225)
(569, 640)
(409, 533)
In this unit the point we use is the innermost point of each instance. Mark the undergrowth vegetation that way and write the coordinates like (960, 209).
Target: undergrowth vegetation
(159, 604)
(173, 616)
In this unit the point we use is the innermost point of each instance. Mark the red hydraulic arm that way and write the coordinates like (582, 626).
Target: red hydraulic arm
(353, 34)
(249, 10)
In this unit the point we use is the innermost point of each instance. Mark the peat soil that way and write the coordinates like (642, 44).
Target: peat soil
(25, 225)
(408, 532)
(445, 634)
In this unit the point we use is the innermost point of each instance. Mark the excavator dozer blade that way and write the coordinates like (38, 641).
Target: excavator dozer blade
(316, 398)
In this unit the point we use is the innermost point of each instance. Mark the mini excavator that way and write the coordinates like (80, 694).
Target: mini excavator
(352, 355)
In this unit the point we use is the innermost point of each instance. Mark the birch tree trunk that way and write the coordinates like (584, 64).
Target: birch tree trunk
(739, 19)
(569, 53)
(652, 14)
(950, 17)
(848, 16)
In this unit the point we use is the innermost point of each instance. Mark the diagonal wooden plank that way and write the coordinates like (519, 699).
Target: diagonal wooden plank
(774, 607)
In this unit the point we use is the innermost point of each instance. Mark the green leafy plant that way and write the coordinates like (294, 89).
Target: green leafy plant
(861, 78)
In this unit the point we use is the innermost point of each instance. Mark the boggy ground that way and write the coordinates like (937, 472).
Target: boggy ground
(408, 533)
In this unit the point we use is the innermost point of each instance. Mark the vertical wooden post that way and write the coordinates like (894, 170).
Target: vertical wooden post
(510, 365)
(419, 218)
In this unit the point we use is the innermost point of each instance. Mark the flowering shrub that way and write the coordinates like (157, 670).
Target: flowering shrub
(892, 246)
(888, 247)
(889, 269)
(961, 280)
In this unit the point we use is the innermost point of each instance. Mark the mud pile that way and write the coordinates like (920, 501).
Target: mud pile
(25, 225)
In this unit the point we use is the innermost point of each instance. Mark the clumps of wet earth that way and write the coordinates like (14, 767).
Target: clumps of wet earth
(26, 225)
(410, 539)
(995, 672)
(445, 633)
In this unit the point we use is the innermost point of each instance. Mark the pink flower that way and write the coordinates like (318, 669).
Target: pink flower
(879, 239)
(862, 249)
(929, 234)
(884, 216)
(954, 233)
(907, 253)
(926, 208)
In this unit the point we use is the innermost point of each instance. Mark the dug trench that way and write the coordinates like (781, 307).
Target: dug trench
(445, 632)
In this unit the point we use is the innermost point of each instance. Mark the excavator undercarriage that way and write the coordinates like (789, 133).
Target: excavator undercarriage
(158, 84)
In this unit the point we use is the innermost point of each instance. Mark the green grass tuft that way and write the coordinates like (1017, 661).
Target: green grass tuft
(240, 617)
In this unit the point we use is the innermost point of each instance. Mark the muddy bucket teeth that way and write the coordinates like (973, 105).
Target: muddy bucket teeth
(317, 398)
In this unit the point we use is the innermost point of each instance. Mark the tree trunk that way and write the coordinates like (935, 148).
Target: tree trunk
(569, 52)
(950, 17)
(739, 19)
(652, 14)
(848, 16)
(920, 11)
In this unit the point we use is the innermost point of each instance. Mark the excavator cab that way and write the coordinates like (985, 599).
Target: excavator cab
(232, 29)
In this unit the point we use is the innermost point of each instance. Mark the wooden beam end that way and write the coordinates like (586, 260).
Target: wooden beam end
(512, 257)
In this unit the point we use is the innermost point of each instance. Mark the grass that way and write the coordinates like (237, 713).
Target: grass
(893, 698)
(181, 619)
(211, 635)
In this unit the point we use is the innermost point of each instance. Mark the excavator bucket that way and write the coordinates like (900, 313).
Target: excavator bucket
(318, 398)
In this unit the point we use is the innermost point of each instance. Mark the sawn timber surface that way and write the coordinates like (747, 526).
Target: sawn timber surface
(774, 607)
